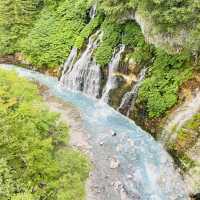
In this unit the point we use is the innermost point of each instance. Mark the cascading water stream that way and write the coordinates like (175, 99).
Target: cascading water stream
(67, 68)
(83, 74)
(179, 117)
(129, 98)
(93, 11)
(142, 168)
(112, 69)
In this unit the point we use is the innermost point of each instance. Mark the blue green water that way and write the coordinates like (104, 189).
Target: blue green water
(145, 171)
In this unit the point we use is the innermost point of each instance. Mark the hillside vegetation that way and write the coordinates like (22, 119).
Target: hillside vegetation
(45, 31)
(162, 36)
(167, 16)
(36, 162)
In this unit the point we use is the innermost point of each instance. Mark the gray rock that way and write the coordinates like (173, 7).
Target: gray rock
(114, 163)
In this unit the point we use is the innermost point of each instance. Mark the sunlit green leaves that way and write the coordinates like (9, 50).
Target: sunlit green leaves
(159, 90)
(35, 161)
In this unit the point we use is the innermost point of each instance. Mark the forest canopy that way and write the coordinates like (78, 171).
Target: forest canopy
(36, 161)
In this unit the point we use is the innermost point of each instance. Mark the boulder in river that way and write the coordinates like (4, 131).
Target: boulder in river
(114, 163)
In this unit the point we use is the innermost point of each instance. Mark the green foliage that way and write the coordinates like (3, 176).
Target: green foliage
(132, 35)
(87, 31)
(111, 38)
(133, 38)
(159, 90)
(116, 8)
(35, 161)
(166, 15)
(169, 15)
(188, 135)
(16, 18)
(55, 32)
(186, 138)
(45, 31)
(182, 160)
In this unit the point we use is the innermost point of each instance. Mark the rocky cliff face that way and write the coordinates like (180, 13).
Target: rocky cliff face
(171, 42)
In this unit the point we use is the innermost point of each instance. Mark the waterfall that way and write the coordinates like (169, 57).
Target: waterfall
(143, 170)
(129, 98)
(112, 69)
(93, 11)
(83, 74)
(69, 62)
(179, 117)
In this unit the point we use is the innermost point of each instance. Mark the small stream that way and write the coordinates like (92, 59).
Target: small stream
(129, 163)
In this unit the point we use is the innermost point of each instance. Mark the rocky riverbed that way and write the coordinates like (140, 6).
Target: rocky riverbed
(127, 162)
(102, 182)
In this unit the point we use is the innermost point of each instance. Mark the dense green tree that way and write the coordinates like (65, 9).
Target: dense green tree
(16, 18)
(35, 160)
(111, 38)
(159, 90)
(54, 34)
(167, 16)
(116, 8)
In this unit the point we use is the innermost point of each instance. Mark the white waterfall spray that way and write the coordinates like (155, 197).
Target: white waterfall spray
(84, 74)
(113, 68)
(129, 98)
(69, 62)
(93, 10)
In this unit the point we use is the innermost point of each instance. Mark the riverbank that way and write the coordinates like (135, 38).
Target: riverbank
(79, 140)
(37, 161)
(126, 165)
(78, 134)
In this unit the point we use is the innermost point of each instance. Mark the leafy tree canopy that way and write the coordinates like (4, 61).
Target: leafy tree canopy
(35, 161)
